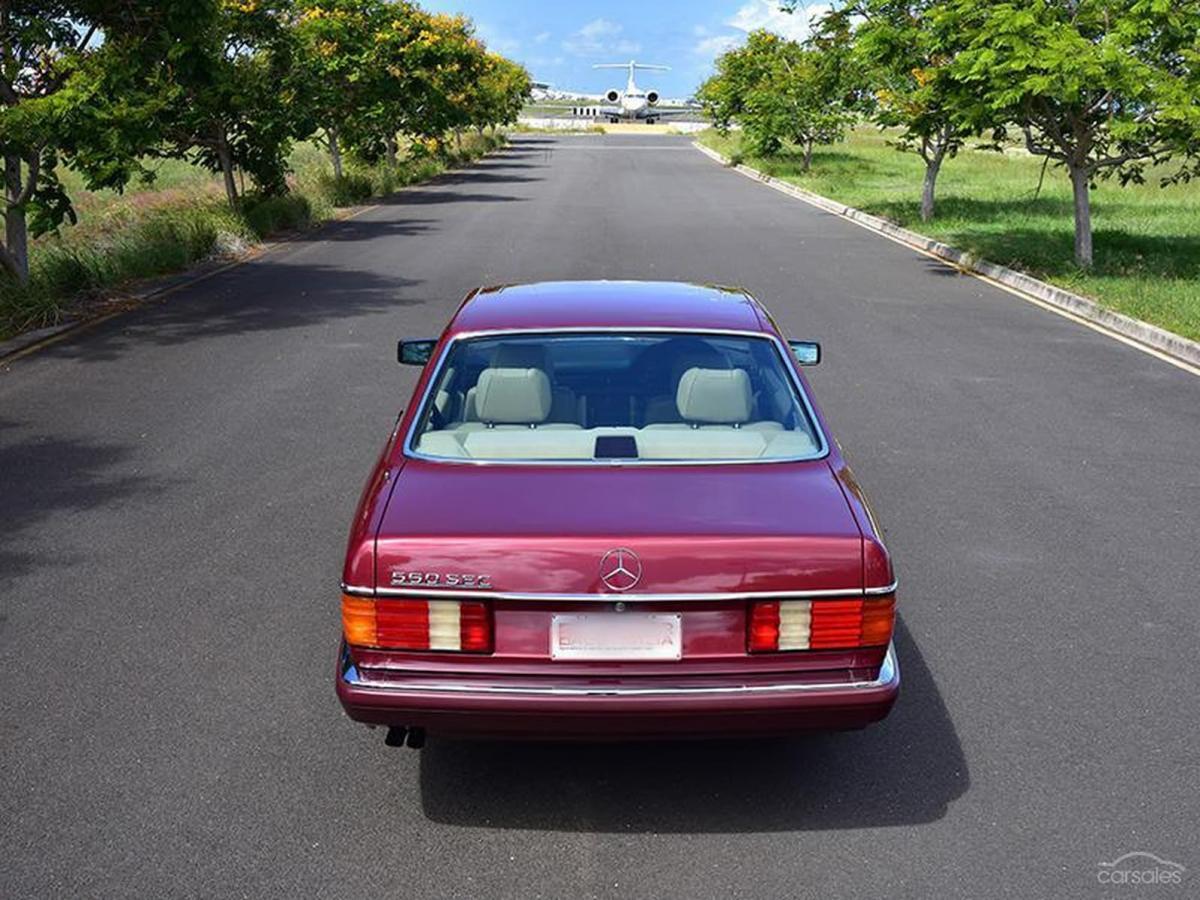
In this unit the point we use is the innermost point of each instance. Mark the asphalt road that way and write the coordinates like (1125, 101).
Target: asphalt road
(176, 487)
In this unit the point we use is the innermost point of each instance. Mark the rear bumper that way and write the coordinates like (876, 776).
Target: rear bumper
(510, 706)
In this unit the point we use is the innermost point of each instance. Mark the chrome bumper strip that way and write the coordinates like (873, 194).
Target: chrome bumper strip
(434, 591)
(889, 675)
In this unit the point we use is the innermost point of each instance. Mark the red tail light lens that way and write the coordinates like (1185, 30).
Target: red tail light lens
(782, 625)
(764, 626)
(386, 624)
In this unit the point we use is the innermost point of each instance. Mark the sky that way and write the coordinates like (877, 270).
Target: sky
(559, 42)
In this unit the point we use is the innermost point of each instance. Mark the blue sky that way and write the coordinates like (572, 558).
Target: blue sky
(559, 41)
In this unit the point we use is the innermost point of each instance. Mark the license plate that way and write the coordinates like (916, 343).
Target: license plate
(616, 636)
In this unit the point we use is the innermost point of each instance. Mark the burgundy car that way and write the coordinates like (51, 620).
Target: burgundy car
(613, 510)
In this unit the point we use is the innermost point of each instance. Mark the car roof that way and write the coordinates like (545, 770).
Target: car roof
(608, 304)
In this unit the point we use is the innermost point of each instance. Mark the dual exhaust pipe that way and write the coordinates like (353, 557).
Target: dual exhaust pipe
(402, 736)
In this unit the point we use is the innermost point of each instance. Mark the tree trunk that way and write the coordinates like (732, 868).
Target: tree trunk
(225, 157)
(390, 144)
(458, 140)
(335, 153)
(15, 257)
(808, 151)
(1083, 216)
(932, 166)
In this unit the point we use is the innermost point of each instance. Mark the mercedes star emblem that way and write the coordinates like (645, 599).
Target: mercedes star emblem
(620, 569)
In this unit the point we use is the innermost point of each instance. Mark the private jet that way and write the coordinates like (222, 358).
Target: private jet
(634, 104)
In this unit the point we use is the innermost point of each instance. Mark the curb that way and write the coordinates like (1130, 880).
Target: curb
(1141, 333)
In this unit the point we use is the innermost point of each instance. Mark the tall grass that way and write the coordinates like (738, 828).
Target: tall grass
(1147, 237)
(182, 219)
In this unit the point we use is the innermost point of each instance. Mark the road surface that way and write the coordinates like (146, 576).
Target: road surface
(177, 483)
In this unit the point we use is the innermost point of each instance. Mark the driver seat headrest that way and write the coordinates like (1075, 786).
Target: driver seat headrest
(513, 396)
(715, 396)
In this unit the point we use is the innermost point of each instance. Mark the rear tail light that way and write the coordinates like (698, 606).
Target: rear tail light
(464, 626)
(776, 625)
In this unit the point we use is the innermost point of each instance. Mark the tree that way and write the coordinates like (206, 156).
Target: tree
(909, 65)
(779, 91)
(1101, 87)
(499, 94)
(337, 39)
(451, 63)
(78, 84)
(243, 106)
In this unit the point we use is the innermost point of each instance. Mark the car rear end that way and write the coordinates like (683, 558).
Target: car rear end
(734, 601)
(504, 667)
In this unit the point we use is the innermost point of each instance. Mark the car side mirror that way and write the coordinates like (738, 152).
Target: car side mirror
(415, 353)
(807, 353)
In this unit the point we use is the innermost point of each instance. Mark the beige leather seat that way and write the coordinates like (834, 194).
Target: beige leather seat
(708, 398)
(564, 405)
(716, 404)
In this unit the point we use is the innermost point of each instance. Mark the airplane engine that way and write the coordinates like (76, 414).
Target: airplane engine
(652, 98)
(612, 96)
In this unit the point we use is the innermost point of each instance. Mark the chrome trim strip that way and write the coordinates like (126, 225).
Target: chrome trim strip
(780, 347)
(889, 674)
(878, 591)
(612, 598)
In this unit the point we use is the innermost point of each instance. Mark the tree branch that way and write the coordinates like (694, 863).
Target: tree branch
(1037, 149)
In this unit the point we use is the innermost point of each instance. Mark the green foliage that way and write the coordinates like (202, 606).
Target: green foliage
(268, 214)
(1101, 87)
(68, 97)
(154, 232)
(778, 91)
(345, 190)
(104, 88)
(1147, 237)
(907, 64)
(243, 103)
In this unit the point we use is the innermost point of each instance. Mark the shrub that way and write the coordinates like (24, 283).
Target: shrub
(267, 215)
(350, 189)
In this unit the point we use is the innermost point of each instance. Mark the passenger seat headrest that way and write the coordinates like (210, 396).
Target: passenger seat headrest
(513, 396)
(717, 396)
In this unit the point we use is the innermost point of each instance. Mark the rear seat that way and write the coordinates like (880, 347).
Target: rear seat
(716, 404)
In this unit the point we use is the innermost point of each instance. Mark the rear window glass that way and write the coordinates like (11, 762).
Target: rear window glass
(605, 397)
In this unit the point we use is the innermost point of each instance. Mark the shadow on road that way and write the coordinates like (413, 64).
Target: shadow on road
(364, 230)
(904, 770)
(484, 176)
(40, 476)
(276, 292)
(420, 197)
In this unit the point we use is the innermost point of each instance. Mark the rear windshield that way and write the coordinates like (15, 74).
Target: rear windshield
(606, 397)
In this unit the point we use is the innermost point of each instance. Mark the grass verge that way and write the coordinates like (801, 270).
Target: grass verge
(185, 219)
(1147, 238)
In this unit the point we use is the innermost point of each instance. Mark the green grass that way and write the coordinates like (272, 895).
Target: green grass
(182, 218)
(1147, 238)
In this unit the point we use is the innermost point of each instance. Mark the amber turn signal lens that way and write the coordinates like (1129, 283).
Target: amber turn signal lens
(358, 621)
(878, 621)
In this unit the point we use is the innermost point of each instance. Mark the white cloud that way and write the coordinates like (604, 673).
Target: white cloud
(767, 14)
(541, 37)
(715, 44)
(752, 16)
(600, 37)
